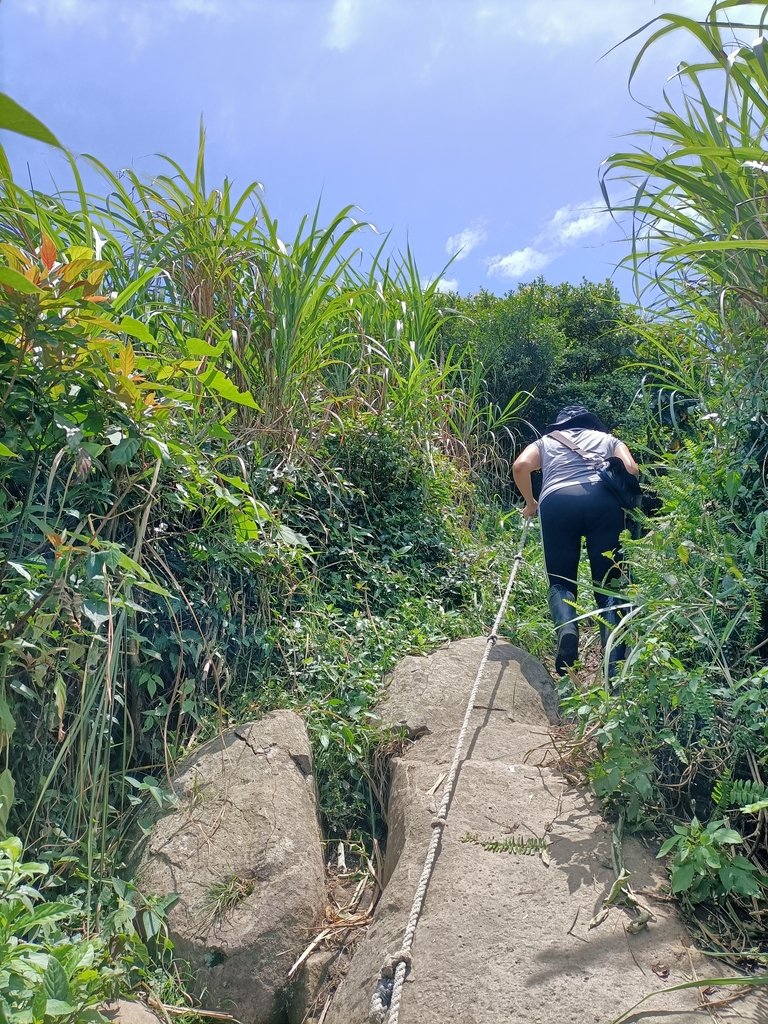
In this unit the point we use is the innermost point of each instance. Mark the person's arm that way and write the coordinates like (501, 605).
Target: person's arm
(622, 452)
(527, 461)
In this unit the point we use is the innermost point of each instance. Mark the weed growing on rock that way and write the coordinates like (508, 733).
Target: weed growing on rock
(510, 844)
(223, 897)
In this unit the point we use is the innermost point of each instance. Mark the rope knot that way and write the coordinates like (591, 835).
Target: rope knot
(438, 822)
(394, 960)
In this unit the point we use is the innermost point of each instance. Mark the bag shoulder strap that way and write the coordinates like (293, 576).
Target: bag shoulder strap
(574, 447)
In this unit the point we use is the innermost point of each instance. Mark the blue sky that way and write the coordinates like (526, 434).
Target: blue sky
(472, 125)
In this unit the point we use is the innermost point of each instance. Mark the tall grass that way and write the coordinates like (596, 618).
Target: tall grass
(172, 368)
(689, 731)
(694, 184)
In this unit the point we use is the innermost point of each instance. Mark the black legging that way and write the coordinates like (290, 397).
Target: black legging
(570, 513)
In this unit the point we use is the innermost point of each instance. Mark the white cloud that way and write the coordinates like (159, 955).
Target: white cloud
(567, 227)
(571, 223)
(346, 23)
(461, 245)
(519, 263)
(447, 284)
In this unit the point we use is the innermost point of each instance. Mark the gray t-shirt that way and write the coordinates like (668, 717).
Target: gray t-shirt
(561, 467)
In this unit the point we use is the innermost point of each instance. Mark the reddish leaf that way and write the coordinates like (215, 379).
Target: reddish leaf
(47, 252)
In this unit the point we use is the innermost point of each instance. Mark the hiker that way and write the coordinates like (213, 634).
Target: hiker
(574, 503)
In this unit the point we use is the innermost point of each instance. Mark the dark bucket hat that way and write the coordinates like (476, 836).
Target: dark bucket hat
(577, 416)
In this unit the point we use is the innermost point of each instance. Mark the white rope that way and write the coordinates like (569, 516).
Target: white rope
(399, 962)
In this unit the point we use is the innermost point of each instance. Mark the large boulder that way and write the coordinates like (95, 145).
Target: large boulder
(243, 852)
(505, 935)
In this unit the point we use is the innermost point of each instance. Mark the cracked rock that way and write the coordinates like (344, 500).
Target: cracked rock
(243, 852)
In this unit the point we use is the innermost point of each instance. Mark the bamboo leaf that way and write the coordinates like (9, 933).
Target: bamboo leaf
(135, 286)
(703, 983)
(14, 118)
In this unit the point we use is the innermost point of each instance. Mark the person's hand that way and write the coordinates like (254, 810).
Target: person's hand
(531, 510)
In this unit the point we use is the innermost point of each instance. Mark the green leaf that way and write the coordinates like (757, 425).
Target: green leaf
(13, 279)
(46, 912)
(202, 349)
(727, 835)
(643, 785)
(7, 453)
(127, 294)
(7, 791)
(736, 879)
(152, 923)
(97, 611)
(14, 118)
(667, 845)
(55, 981)
(216, 381)
(754, 808)
(732, 483)
(39, 1004)
(669, 738)
(122, 453)
(711, 857)
(246, 529)
(136, 329)
(58, 1008)
(12, 848)
(7, 721)
(682, 877)
(153, 588)
(743, 864)
(20, 569)
(291, 538)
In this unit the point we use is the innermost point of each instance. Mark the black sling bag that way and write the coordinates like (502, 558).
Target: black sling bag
(622, 484)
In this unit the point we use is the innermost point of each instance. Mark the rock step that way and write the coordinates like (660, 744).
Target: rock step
(504, 936)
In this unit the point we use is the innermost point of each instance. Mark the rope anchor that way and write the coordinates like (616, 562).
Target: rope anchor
(389, 987)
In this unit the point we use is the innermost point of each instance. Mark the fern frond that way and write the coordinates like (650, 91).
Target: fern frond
(728, 792)
(511, 844)
(746, 792)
